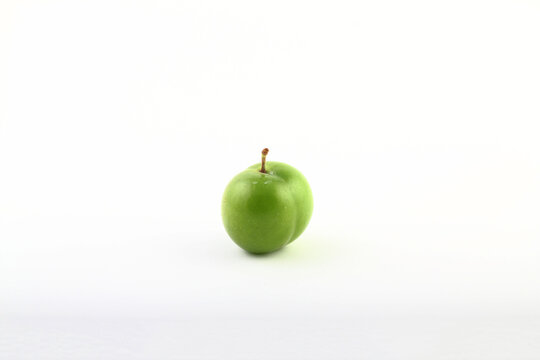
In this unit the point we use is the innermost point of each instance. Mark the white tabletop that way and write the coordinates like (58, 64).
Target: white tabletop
(416, 125)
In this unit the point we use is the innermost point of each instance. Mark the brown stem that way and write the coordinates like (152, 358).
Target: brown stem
(263, 162)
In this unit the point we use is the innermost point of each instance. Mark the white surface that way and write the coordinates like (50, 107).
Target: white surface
(416, 124)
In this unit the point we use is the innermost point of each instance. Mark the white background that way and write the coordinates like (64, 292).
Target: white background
(416, 123)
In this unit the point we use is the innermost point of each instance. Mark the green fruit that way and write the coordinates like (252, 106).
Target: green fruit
(266, 206)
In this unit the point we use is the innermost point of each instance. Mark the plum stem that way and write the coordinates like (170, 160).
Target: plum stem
(263, 162)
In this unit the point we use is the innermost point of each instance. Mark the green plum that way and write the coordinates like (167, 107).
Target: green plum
(267, 206)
